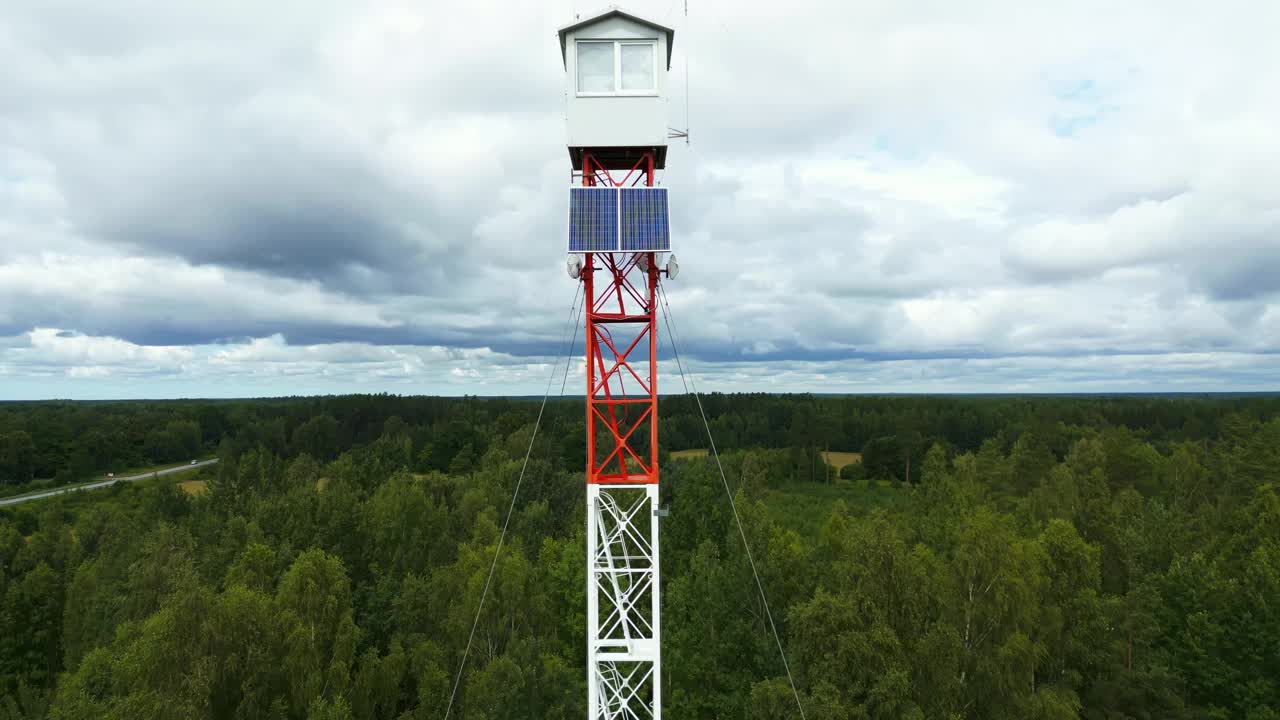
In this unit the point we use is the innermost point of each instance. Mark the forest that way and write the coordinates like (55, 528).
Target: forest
(990, 557)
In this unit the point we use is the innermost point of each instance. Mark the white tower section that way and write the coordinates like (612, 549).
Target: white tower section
(624, 659)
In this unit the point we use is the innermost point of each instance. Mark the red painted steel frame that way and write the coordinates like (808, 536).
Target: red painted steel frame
(624, 295)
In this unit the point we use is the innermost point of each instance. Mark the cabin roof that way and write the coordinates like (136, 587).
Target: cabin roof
(614, 11)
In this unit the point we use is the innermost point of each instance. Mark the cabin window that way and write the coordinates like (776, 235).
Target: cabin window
(595, 67)
(636, 67)
(617, 67)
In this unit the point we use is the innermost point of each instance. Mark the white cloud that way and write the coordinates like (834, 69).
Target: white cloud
(97, 366)
(53, 344)
(102, 367)
(54, 353)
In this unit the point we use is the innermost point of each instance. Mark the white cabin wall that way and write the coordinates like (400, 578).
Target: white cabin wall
(616, 121)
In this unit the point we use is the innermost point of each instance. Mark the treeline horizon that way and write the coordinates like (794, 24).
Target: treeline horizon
(50, 443)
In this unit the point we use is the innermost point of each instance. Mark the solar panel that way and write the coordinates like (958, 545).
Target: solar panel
(645, 223)
(593, 219)
(610, 219)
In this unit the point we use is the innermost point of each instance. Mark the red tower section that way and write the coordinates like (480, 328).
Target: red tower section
(621, 348)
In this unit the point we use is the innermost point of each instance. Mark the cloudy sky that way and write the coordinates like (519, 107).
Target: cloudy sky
(216, 199)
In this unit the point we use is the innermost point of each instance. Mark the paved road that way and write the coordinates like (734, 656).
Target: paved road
(105, 483)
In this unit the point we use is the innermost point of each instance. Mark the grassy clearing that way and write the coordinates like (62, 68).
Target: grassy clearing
(689, 454)
(194, 488)
(321, 484)
(804, 507)
(840, 459)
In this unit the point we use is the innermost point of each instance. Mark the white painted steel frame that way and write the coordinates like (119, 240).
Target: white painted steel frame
(624, 663)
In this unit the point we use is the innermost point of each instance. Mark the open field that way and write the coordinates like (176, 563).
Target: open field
(840, 459)
(689, 454)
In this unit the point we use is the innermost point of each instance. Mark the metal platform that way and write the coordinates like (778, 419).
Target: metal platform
(618, 158)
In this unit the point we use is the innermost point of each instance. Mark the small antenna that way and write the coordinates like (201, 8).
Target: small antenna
(673, 133)
(686, 75)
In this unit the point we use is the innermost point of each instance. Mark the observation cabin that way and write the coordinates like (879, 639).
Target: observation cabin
(616, 68)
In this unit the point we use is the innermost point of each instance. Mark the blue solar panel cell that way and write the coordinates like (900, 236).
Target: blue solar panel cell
(593, 219)
(645, 220)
